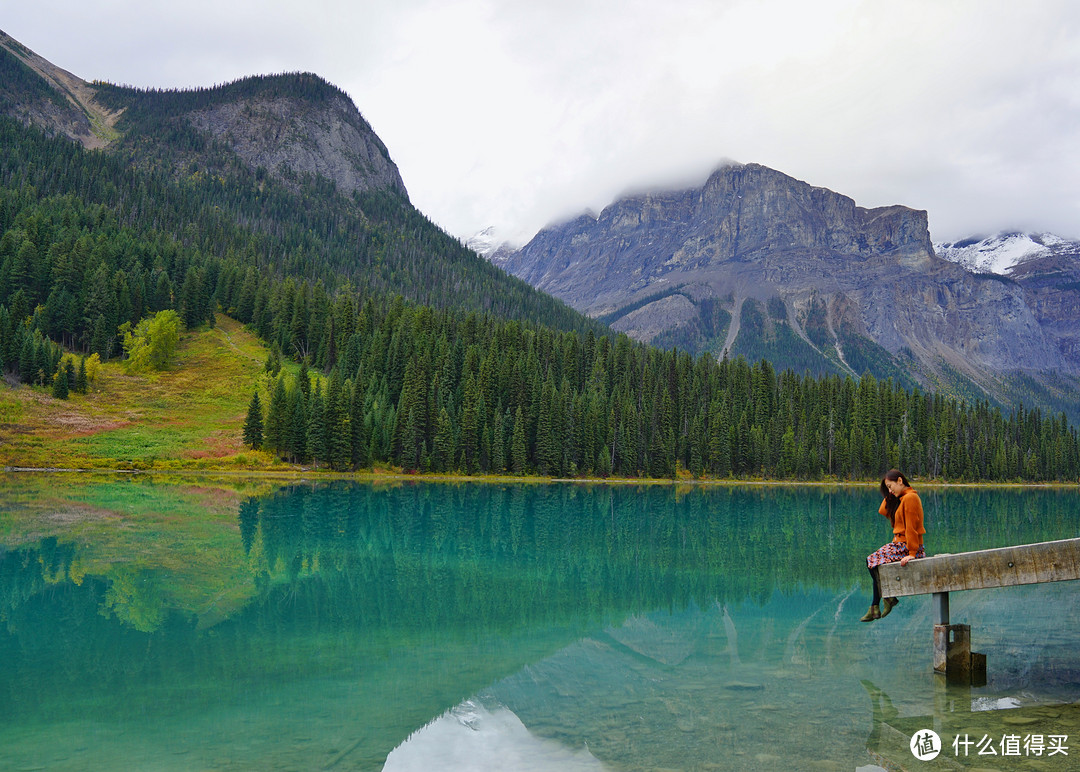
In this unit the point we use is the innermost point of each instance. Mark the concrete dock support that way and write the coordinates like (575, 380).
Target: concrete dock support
(954, 658)
(941, 608)
(1048, 561)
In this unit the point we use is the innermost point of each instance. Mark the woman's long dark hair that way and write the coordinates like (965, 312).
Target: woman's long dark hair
(895, 474)
(891, 501)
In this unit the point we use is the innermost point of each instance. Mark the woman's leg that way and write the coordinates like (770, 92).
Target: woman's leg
(873, 560)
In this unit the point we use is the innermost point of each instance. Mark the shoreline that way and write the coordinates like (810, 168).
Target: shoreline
(377, 475)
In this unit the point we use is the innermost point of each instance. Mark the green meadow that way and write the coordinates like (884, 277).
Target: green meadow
(189, 416)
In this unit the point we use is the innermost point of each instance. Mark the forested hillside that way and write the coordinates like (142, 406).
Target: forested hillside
(165, 175)
(426, 356)
(437, 391)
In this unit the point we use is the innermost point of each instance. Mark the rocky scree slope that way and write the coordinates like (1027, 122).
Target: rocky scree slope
(36, 92)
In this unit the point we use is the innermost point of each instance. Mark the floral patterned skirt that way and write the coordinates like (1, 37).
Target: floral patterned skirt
(891, 553)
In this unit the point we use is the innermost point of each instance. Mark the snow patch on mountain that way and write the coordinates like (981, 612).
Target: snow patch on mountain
(492, 244)
(1001, 252)
(485, 242)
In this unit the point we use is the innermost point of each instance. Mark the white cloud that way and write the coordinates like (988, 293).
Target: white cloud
(508, 113)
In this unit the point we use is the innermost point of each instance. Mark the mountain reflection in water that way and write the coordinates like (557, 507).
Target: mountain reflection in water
(349, 626)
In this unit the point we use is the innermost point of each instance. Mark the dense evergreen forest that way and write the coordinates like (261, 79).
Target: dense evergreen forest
(168, 182)
(430, 358)
(439, 391)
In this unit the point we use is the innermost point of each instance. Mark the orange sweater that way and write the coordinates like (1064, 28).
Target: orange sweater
(908, 523)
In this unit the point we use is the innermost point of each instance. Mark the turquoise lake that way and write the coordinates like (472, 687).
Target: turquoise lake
(254, 625)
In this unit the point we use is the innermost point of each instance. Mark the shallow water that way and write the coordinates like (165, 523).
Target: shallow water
(245, 626)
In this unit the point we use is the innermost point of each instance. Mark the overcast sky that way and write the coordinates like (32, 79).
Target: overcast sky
(515, 114)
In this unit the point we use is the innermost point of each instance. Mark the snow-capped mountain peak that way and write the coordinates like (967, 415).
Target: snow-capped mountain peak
(485, 242)
(1001, 252)
(492, 244)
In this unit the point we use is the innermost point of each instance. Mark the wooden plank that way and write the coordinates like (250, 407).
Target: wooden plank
(1050, 561)
(1060, 566)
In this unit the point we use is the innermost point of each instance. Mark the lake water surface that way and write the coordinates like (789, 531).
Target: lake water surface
(251, 625)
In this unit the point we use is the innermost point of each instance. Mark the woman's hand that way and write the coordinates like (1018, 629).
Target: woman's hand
(904, 560)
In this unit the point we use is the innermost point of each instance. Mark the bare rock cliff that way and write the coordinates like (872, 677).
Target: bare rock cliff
(289, 125)
(328, 139)
(754, 233)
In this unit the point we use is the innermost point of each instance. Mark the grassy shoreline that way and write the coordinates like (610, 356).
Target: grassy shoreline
(187, 422)
(302, 474)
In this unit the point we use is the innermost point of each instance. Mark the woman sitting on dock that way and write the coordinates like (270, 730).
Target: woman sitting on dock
(903, 507)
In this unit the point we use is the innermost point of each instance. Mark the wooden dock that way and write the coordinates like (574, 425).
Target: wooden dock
(1049, 561)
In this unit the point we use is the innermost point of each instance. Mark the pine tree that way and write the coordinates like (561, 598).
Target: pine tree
(253, 425)
(338, 424)
(303, 380)
(697, 438)
(470, 439)
(194, 299)
(498, 443)
(360, 441)
(296, 448)
(547, 447)
(444, 442)
(26, 359)
(60, 385)
(412, 408)
(82, 383)
(273, 362)
(603, 461)
(277, 418)
(316, 429)
(518, 451)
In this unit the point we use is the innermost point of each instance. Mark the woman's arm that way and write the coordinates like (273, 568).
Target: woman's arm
(911, 505)
(883, 510)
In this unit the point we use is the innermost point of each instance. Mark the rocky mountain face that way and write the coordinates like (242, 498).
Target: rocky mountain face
(295, 180)
(328, 139)
(755, 258)
(1045, 265)
(36, 92)
(1051, 284)
(305, 127)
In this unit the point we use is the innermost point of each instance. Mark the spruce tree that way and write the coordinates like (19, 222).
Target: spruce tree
(273, 362)
(277, 418)
(518, 450)
(253, 425)
(26, 359)
(470, 440)
(303, 380)
(60, 385)
(603, 461)
(359, 439)
(498, 443)
(547, 441)
(296, 434)
(82, 384)
(697, 456)
(338, 424)
(316, 430)
(443, 450)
